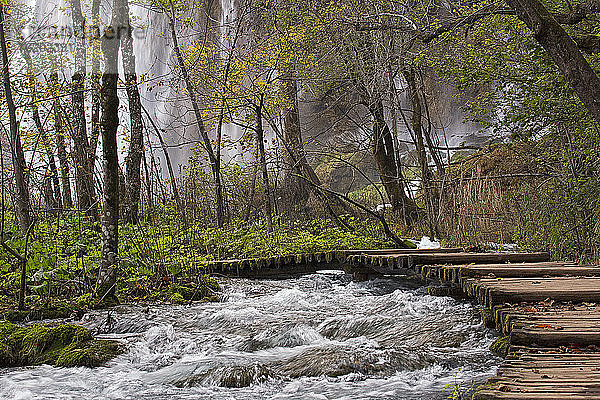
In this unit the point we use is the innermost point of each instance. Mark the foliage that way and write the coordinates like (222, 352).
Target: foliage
(541, 193)
(158, 262)
(460, 391)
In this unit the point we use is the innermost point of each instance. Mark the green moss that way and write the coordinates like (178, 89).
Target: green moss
(487, 317)
(501, 346)
(37, 311)
(63, 345)
(91, 353)
(84, 301)
(409, 244)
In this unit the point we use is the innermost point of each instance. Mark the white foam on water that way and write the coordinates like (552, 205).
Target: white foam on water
(427, 243)
(318, 336)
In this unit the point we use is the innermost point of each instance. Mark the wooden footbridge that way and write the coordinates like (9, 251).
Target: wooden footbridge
(546, 310)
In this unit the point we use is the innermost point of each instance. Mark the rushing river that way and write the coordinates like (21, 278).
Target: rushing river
(316, 337)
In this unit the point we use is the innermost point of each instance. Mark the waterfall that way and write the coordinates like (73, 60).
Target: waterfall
(228, 23)
(168, 103)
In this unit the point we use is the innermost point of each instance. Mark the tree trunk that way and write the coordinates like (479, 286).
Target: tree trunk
(299, 176)
(60, 144)
(214, 164)
(18, 157)
(95, 82)
(218, 183)
(389, 173)
(252, 186)
(53, 197)
(295, 189)
(84, 166)
(110, 162)
(563, 50)
(263, 164)
(136, 144)
(172, 179)
(417, 128)
(148, 181)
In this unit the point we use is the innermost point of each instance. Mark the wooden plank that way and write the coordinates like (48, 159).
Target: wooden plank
(403, 251)
(529, 271)
(479, 258)
(498, 395)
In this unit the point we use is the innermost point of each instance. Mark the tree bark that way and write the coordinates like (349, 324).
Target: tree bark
(108, 129)
(60, 144)
(263, 164)
(18, 157)
(136, 144)
(84, 165)
(563, 50)
(389, 173)
(295, 189)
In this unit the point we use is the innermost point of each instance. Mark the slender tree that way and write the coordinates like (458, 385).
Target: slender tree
(60, 143)
(95, 80)
(109, 123)
(172, 179)
(16, 148)
(263, 164)
(206, 143)
(83, 157)
(53, 197)
(136, 145)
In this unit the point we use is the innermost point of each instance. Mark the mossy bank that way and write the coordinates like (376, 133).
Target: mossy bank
(64, 345)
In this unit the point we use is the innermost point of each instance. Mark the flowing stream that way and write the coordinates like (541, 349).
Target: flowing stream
(319, 336)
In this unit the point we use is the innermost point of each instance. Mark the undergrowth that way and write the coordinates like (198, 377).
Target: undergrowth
(159, 261)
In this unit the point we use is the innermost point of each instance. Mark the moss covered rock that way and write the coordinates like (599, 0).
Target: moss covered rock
(487, 317)
(501, 346)
(62, 345)
(54, 311)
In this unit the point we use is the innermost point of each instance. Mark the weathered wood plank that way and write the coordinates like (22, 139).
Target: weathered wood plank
(478, 258)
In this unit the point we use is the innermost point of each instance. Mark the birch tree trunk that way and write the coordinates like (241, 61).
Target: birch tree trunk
(110, 162)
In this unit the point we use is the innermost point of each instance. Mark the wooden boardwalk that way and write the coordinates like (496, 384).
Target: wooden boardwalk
(548, 313)
(546, 310)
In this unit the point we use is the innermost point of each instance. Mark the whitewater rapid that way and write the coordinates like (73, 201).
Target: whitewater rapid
(320, 336)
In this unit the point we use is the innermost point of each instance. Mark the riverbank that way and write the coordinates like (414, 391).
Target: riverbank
(166, 264)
